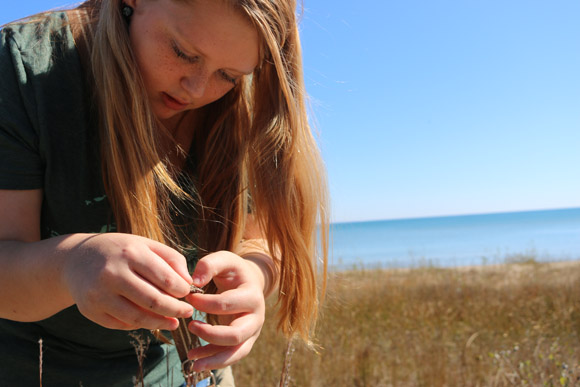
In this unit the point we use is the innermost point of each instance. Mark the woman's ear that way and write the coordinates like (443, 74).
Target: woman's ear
(131, 3)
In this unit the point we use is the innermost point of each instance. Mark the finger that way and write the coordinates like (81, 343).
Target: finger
(132, 316)
(176, 260)
(222, 263)
(240, 330)
(92, 308)
(161, 275)
(224, 358)
(235, 301)
(204, 351)
(148, 297)
(110, 322)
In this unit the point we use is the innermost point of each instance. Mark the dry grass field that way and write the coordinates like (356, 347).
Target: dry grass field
(513, 324)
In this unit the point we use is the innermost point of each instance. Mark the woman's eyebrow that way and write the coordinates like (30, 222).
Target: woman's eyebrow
(192, 47)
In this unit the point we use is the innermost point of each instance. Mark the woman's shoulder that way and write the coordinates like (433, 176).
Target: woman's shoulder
(35, 26)
(38, 40)
(43, 86)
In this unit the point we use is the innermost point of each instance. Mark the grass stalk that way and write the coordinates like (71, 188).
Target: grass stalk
(484, 326)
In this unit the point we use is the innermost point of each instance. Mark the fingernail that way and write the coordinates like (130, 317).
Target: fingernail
(188, 313)
(197, 367)
(197, 280)
(196, 323)
(191, 355)
(172, 325)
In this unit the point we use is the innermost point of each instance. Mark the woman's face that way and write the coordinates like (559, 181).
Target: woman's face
(190, 53)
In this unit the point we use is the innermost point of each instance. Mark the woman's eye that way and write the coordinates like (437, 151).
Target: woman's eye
(180, 54)
(228, 77)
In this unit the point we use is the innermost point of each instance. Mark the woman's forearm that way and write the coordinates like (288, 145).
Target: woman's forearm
(257, 252)
(31, 278)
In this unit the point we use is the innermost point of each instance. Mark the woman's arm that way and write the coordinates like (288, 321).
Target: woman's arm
(28, 268)
(254, 248)
(259, 257)
(119, 281)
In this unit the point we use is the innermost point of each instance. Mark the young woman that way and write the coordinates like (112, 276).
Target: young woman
(145, 146)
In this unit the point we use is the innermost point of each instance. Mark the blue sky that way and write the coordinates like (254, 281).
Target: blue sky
(427, 108)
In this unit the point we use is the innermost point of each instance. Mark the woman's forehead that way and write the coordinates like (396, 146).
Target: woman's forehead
(214, 29)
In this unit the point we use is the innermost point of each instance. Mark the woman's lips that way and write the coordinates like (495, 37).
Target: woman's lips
(173, 103)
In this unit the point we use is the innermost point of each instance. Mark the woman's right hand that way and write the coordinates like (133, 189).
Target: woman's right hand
(123, 281)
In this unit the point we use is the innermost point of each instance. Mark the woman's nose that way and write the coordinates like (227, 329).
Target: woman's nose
(196, 83)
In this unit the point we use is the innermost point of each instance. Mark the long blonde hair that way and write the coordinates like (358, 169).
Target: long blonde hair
(255, 153)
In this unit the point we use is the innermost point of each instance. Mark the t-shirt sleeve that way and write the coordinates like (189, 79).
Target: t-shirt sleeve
(21, 165)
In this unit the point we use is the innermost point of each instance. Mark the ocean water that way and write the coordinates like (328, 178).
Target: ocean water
(547, 235)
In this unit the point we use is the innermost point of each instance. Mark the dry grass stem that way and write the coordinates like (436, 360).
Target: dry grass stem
(285, 377)
(141, 346)
(503, 325)
(40, 361)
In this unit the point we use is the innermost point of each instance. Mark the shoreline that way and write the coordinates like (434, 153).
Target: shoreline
(525, 261)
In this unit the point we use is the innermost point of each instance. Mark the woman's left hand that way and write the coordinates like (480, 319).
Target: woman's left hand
(239, 305)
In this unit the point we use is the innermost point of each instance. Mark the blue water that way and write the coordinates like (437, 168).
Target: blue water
(548, 235)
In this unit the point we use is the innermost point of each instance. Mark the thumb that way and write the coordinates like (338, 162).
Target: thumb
(212, 265)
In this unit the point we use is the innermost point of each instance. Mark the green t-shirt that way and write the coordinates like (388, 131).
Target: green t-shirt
(49, 140)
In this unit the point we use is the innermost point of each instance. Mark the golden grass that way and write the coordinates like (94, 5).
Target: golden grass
(513, 324)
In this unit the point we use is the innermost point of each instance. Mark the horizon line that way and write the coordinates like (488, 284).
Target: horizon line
(457, 215)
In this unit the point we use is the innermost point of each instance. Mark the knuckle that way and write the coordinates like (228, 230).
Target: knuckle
(169, 282)
(129, 251)
(176, 286)
(155, 302)
(202, 265)
(179, 258)
(108, 275)
(258, 299)
(224, 305)
(237, 337)
(186, 308)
